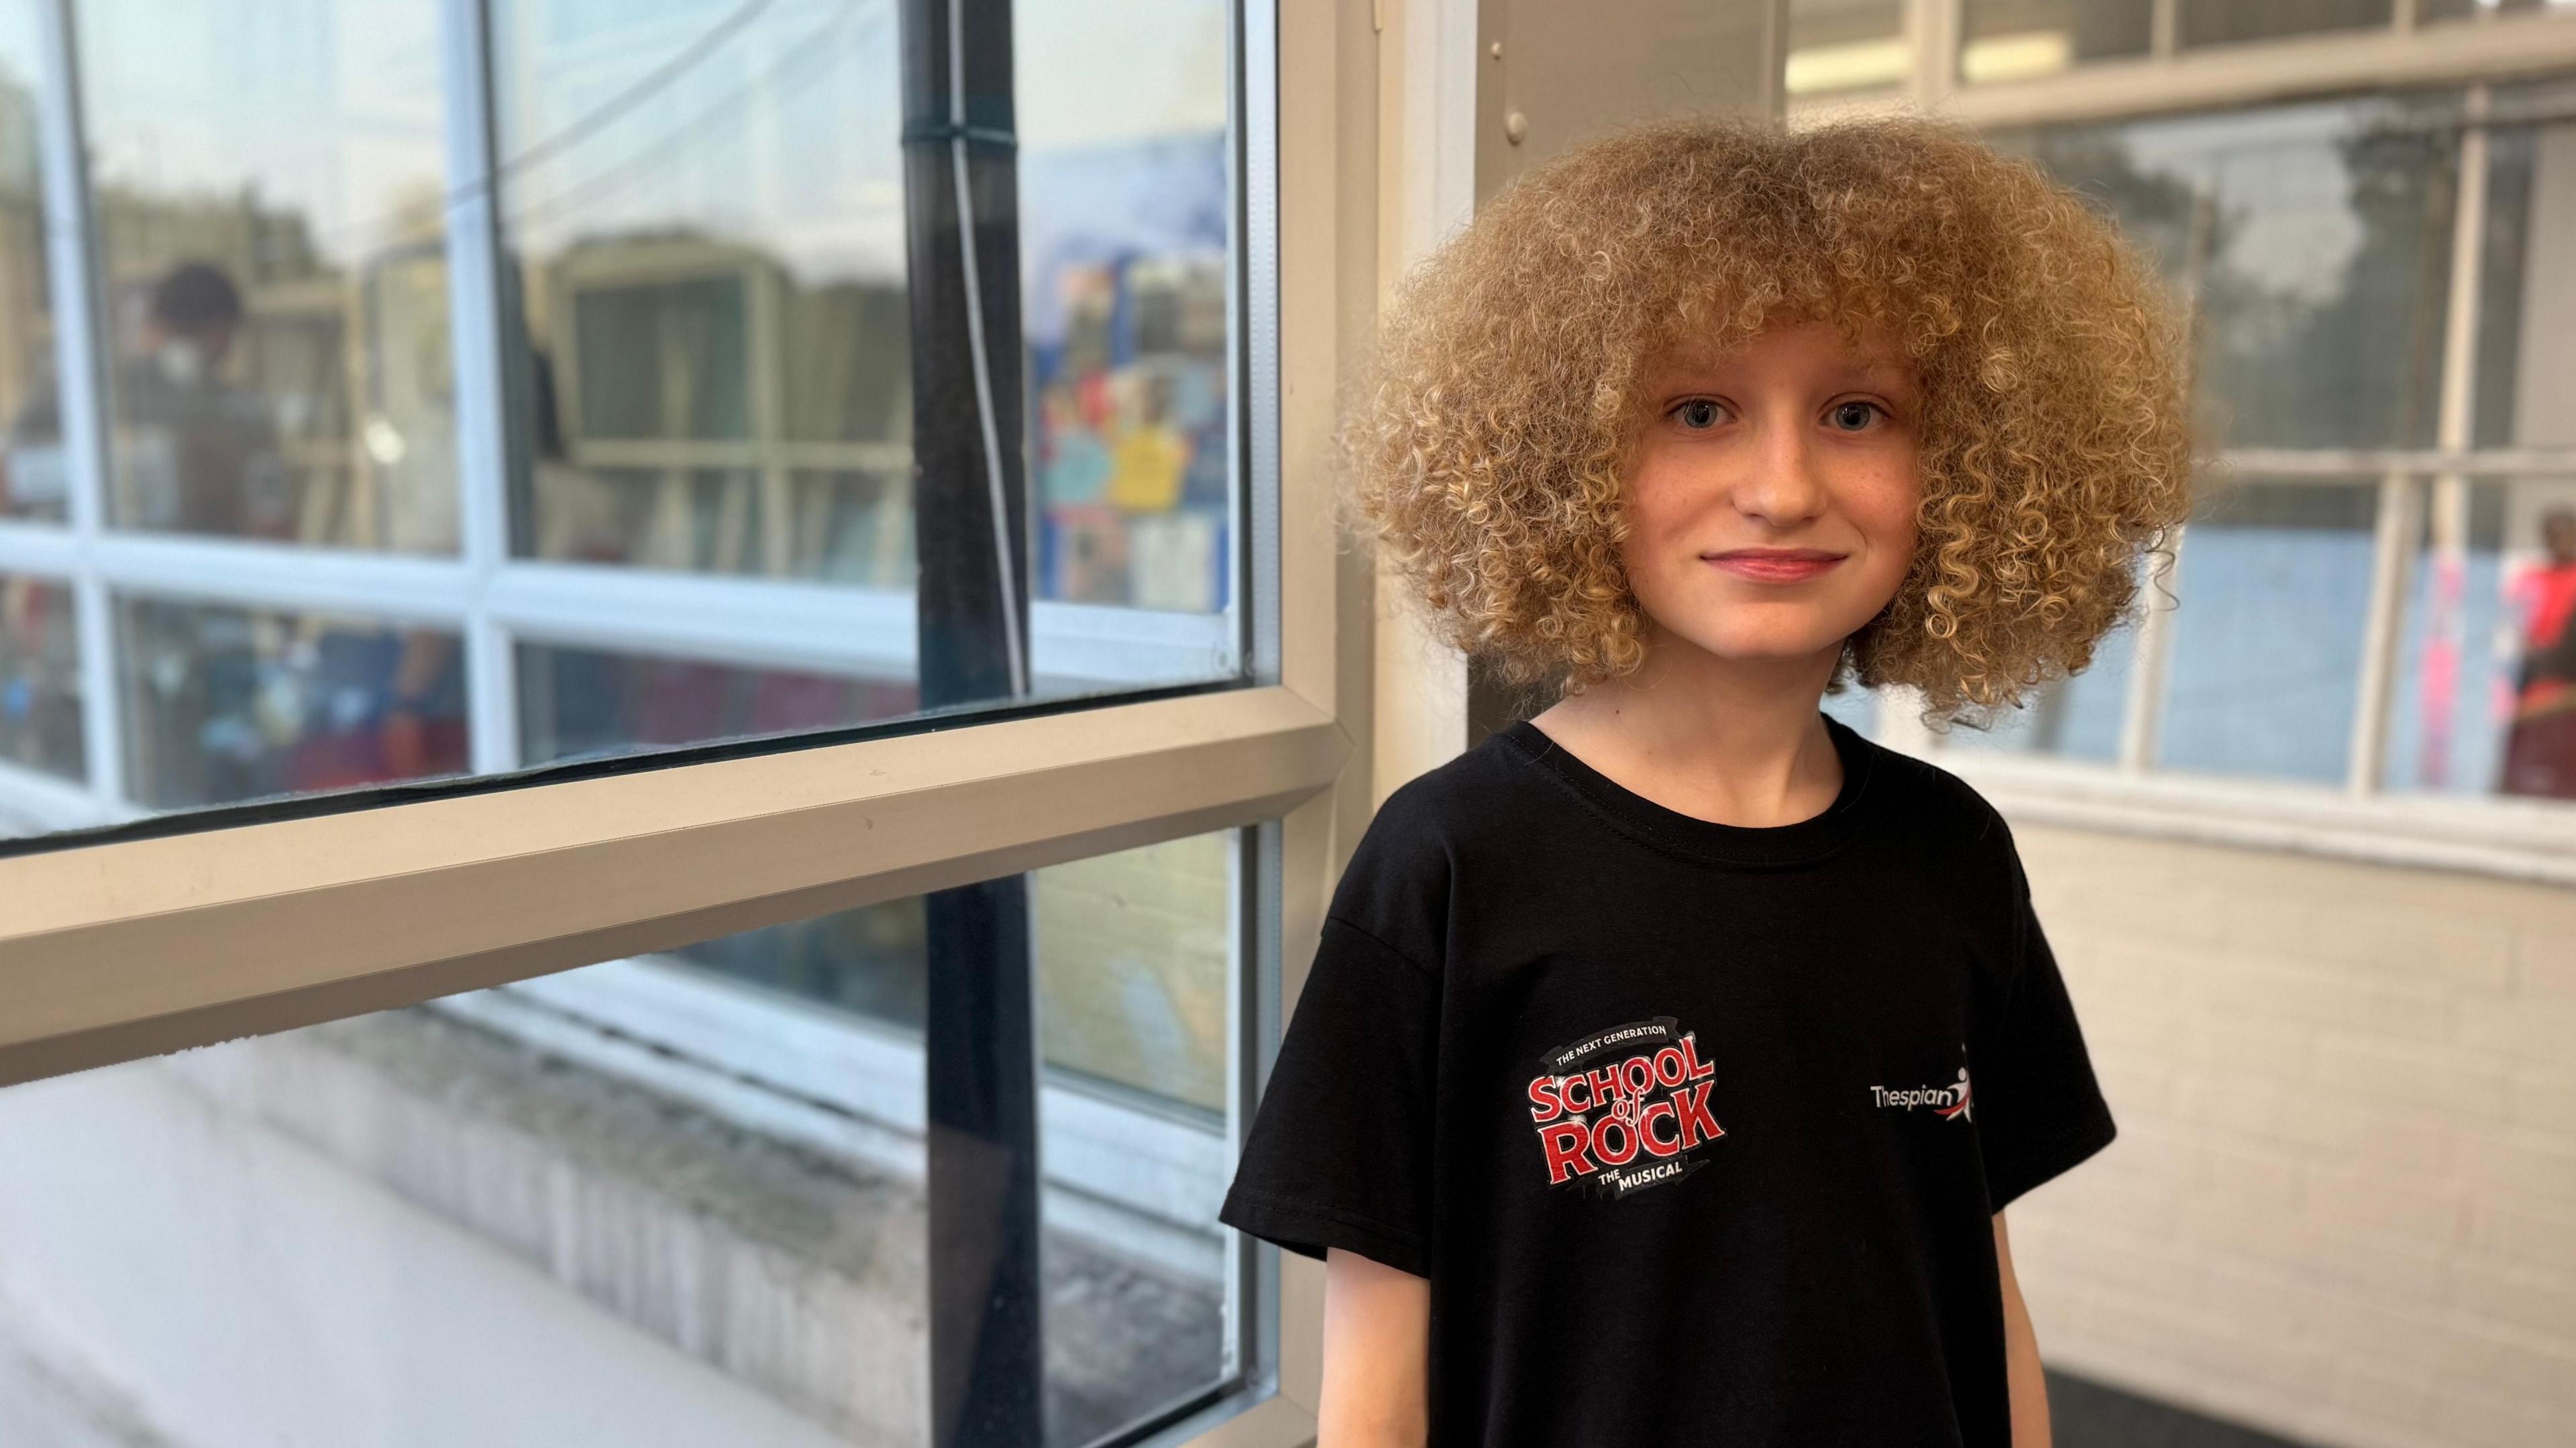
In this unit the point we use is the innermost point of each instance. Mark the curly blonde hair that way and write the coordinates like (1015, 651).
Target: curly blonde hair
(1489, 445)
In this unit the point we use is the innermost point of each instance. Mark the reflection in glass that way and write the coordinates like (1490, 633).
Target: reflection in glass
(308, 1235)
(40, 710)
(1133, 951)
(1132, 956)
(33, 475)
(2315, 240)
(715, 326)
(224, 704)
(577, 703)
(1131, 962)
(870, 962)
(2219, 22)
(2485, 698)
(1841, 45)
(2274, 591)
(1123, 219)
(710, 320)
(2019, 39)
(271, 194)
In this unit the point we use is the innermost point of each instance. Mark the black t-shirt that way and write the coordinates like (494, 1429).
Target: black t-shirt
(1676, 1115)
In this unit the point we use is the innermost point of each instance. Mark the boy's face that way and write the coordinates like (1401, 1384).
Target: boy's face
(1795, 447)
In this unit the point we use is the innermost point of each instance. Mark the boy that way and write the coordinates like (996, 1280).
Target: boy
(1669, 1059)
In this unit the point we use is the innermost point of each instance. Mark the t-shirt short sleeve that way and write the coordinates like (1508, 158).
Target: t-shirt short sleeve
(2039, 1110)
(1339, 1154)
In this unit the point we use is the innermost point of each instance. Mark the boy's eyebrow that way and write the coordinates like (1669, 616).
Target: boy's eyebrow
(1887, 373)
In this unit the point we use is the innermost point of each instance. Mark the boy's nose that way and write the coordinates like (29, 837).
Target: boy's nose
(1782, 486)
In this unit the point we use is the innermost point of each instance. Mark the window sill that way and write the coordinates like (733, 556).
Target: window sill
(2516, 839)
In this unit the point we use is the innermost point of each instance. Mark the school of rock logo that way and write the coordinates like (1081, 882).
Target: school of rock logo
(1950, 1102)
(1624, 1108)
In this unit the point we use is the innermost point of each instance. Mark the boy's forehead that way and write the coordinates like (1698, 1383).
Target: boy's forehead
(1875, 358)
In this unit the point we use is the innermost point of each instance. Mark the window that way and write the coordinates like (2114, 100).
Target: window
(305, 1235)
(426, 450)
(2020, 39)
(2349, 609)
(605, 512)
(2218, 22)
(1844, 45)
(272, 273)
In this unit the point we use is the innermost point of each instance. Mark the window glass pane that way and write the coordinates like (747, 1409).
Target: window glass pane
(40, 697)
(33, 477)
(2485, 698)
(712, 337)
(2274, 590)
(577, 703)
(2316, 241)
(270, 185)
(639, 1203)
(714, 511)
(2019, 39)
(224, 704)
(2526, 366)
(1122, 247)
(1840, 45)
(2217, 22)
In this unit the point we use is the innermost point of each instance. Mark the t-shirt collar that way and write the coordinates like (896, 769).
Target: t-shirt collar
(1747, 846)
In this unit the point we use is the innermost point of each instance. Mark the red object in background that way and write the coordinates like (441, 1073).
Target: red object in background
(2540, 749)
(397, 748)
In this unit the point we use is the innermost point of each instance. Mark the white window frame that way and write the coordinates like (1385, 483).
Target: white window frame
(2509, 837)
(138, 946)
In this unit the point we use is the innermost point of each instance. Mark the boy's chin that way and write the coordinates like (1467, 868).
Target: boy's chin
(1783, 650)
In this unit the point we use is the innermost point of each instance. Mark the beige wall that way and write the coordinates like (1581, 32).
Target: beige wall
(2343, 1204)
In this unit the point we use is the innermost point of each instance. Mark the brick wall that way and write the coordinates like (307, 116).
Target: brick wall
(2343, 1204)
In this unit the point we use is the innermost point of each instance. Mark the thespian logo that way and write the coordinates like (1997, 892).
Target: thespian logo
(1949, 1102)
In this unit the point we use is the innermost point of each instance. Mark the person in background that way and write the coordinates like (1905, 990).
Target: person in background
(201, 451)
(2540, 747)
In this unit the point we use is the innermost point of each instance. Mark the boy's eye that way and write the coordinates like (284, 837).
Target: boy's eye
(1698, 414)
(1853, 416)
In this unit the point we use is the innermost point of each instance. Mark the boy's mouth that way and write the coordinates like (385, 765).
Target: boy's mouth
(1775, 565)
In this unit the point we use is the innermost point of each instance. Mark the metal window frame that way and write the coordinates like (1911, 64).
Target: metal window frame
(2358, 819)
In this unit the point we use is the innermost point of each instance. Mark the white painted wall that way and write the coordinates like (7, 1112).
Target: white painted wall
(2343, 1203)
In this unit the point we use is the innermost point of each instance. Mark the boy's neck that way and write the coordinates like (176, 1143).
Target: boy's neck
(1734, 741)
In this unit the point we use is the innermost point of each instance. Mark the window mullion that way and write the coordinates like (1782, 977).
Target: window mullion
(2391, 567)
(70, 233)
(475, 320)
(987, 1358)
